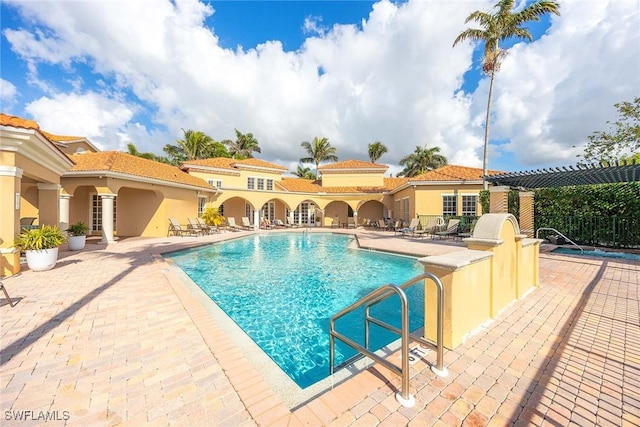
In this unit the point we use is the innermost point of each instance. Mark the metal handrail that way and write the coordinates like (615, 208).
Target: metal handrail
(378, 295)
(568, 239)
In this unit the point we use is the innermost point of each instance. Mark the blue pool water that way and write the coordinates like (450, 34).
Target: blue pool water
(598, 253)
(282, 288)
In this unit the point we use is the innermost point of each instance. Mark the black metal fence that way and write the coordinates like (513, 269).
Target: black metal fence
(615, 232)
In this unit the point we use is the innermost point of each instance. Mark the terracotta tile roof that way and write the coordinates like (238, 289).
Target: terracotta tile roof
(260, 163)
(299, 185)
(115, 161)
(62, 138)
(353, 164)
(17, 122)
(393, 182)
(228, 163)
(453, 173)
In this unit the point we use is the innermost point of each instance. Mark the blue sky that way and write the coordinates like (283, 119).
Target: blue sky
(353, 71)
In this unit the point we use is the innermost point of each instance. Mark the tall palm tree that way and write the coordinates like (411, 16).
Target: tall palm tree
(498, 27)
(305, 173)
(319, 150)
(194, 145)
(422, 160)
(244, 145)
(376, 150)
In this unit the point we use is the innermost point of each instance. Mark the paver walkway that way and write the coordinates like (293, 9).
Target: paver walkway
(111, 336)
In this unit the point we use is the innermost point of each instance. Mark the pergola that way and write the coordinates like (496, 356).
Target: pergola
(566, 176)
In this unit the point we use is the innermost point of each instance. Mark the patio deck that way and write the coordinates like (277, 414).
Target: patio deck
(112, 336)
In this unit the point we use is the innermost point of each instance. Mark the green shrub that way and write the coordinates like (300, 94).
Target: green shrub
(45, 237)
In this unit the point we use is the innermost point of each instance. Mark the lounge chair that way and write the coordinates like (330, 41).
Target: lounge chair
(470, 232)
(265, 224)
(246, 224)
(194, 227)
(429, 228)
(231, 223)
(209, 229)
(175, 228)
(351, 222)
(450, 231)
(278, 223)
(413, 225)
(290, 223)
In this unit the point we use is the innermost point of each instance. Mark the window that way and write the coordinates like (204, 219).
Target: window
(397, 208)
(202, 204)
(405, 209)
(260, 183)
(251, 183)
(470, 205)
(96, 212)
(248, 212)
(221, 209)
(269, 211)
(215, 183)
(449, 206)
(269, 185)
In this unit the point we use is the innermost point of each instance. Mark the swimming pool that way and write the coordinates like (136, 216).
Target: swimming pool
(598, 253)
(282, 288)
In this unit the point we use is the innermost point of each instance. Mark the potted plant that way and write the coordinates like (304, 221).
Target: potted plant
(41, 246)
(318, 219)
(77, 236)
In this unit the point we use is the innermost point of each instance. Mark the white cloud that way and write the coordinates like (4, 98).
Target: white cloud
(8, 93)
(395, 79)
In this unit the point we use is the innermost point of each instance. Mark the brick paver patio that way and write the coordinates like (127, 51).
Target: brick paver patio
(112, 336)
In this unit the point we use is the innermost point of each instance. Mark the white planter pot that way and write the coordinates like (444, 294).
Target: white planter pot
(76, 243)
(42, 260)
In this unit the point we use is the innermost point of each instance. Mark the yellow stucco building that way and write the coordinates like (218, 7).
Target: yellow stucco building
(59, 180)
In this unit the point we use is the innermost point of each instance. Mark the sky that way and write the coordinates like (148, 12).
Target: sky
(355, 72)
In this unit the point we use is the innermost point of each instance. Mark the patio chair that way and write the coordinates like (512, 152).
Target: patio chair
(209, 229)
(450, 231)
(246, 224)
(278, 223)
(413, 225)
(265, 224)
(6, 294)
(26, 223)
(193, 227)
(429, 228)
(290, 223)
(470, 232)
(231, 223)
(351, 222)
(175, 228)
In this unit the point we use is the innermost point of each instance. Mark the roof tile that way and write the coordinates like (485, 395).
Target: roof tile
(18, 122)
(453, 173)
(115, 161)
(353, 164)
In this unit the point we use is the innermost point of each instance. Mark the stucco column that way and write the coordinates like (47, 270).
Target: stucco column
(107, 218)
(48, 204)
(256, 219)
(64, 211)
(355, 218)
(499, 199)
(526, 212)
(10, 199)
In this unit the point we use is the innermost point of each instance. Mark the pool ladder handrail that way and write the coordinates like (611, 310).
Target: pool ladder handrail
(557, 232)
(376, 296)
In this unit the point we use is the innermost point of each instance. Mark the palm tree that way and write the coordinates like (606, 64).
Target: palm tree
(194, 145)
(244, 145)
(498, 27)
(319, 150)
(376, 150)
(305, 173)
(421, 160)
(131, 149)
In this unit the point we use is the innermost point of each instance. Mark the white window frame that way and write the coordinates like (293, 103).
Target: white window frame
(269, 184)
(260, 184)
(202, 205)
(455, 205)
(95, 218)
(251, 183)
(474, 204)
